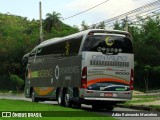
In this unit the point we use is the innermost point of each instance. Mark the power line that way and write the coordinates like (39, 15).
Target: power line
(148, 13)
(138, 10)
(21, 22)
(85, 10)
(143, 9)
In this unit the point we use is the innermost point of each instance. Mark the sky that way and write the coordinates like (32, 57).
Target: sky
(67, 8)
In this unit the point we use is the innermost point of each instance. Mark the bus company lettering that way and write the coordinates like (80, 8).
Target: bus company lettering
(57, 72)
(122, 73)
(65, 70)
(109, 57)
(69, 70)
(41, 73)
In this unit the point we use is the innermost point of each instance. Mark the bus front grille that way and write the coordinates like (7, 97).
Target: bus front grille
(109, 63)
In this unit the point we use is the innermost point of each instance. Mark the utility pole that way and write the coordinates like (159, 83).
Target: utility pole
(40, 22)
(126, 24)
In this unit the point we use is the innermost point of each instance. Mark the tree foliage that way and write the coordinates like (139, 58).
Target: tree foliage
(18, 36)
(17, 81)
(146, 42)
(52, 21)
(84, 25)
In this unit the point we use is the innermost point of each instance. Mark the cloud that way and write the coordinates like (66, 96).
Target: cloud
(82, 4)
(109, 9)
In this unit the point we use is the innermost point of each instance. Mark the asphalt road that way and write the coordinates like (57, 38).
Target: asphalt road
(117, 113)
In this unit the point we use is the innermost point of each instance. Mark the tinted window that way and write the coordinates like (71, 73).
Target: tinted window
(64, 48)
(108, 44)
(32, 54)
(75, 45)
(108, 86)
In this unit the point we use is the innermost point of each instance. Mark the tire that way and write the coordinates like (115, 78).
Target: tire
(76, 105)
(34, 99)
(67, 101)
(109, 108)
(97, 107)
(60, 99)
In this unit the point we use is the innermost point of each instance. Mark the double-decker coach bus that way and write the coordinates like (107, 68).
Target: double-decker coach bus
(94, 67)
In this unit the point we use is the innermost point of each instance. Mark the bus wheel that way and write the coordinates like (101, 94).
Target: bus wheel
(67, 101)
(97, 107)
(60, 99)
(77, 105)
(109, 108)
(34, 99)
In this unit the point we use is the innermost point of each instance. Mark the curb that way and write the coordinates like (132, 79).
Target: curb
(140, 107)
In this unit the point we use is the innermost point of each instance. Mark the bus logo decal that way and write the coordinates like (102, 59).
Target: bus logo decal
(67, 48)
(109, 58)
(57, 72)
(109, 41)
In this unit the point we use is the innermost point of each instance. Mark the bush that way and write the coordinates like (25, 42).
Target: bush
(18, 81)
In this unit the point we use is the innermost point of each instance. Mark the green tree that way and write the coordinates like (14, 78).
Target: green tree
(18, 81)
(101, 25)
(117, 26)
(18, 36)
(94, 26)
(84, 25)
(146, 41)
(52, 20)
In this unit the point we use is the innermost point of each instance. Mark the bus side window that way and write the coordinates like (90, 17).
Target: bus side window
(39, 52)
(32, 54)
(44, 51)
(87, 44)
(75, 45)
(66, 48)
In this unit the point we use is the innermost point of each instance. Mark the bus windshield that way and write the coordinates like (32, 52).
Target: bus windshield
(112, 44)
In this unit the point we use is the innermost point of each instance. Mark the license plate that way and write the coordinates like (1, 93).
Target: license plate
(108, 94)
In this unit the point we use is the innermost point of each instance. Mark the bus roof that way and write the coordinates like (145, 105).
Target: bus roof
(82, 33)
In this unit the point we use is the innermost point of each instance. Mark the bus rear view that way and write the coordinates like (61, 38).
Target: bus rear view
(107, 69)
(94, 67)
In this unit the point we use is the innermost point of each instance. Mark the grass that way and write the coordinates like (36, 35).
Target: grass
(155, 106)
(11, 92)
(132, 102)
(4, 91)
(142, 98)
(51, 110)
(138, 101)
(146, 96)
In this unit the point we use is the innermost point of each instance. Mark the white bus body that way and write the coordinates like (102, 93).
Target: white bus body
(93, 67)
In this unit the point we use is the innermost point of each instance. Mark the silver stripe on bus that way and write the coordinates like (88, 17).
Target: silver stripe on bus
(108, 99)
